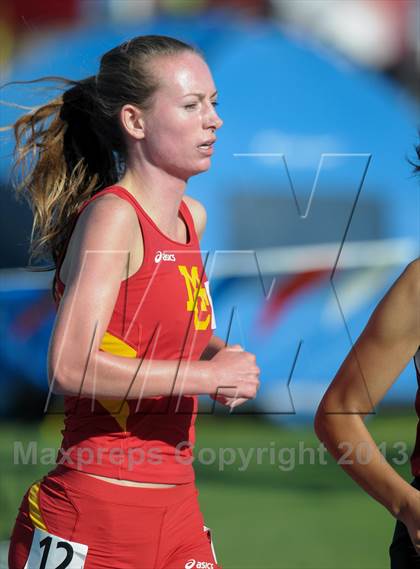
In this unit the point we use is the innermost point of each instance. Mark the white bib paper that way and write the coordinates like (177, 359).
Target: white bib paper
(49, 551)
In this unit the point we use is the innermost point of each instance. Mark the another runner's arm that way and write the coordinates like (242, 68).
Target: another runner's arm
(386, 345)
(98, 253)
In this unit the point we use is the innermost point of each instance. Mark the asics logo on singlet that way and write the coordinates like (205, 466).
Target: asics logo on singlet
(198, 564)
(164, 257)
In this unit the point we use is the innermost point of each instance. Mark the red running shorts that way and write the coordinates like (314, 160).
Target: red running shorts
(69, 520)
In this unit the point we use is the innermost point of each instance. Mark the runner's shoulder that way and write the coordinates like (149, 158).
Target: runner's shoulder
(199, 214)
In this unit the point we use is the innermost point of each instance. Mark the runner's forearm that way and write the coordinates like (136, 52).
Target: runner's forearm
(215, 344)
(349, 441)
(117, 377)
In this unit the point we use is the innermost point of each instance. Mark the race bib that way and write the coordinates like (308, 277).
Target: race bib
(49, 551)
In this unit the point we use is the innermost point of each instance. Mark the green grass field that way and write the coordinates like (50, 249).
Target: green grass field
(276, 512)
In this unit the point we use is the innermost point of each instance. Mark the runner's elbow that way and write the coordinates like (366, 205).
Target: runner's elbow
(66, 377)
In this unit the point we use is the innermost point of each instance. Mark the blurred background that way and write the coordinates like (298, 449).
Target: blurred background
(313, 211)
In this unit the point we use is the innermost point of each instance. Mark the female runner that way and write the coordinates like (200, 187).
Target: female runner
(389, 341)
(132, 345)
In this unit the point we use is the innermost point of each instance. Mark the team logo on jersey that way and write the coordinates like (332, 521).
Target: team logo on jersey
(198, 298)
(198, 564)
(164, 257)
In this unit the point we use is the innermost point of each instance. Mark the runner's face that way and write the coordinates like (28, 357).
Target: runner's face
(180, 121)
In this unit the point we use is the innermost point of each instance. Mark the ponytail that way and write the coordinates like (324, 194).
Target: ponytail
(73, 146)
(60, 161)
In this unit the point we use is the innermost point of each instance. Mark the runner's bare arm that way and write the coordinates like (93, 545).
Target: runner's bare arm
(215, 344)
(199, 215)
(228, 397)
(386, 345)
(98, 251)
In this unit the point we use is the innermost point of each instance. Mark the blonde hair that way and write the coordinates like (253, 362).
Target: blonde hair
(71, 147)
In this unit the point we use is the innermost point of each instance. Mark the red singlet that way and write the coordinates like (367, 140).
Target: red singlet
(163, 311)
(68, 519)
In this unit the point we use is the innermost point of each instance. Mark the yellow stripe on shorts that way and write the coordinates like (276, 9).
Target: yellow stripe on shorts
(34, 509)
